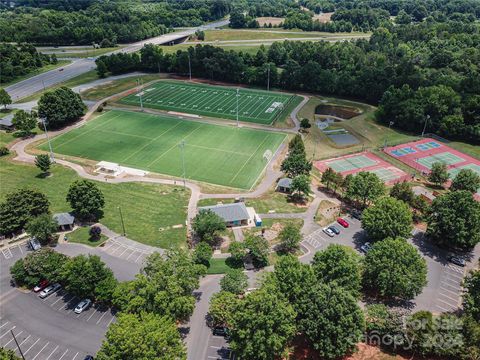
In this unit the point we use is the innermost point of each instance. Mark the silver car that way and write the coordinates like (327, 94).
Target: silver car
(82, 305)
(329, 232)
(49, 290)
(366, 247)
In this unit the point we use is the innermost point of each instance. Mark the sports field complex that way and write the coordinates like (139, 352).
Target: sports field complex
(257, 106)
(223, 155)
(364, 161)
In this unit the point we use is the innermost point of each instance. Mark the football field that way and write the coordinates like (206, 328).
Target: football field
(257, 106)
(223, 155)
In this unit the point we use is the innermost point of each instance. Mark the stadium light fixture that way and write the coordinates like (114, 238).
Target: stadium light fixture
(182, 146)
(44, 121)
(425, 126)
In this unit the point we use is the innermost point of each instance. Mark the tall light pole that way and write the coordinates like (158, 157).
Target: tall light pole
(238, 95)
(18, 346)
(121, 219)
(268, 77)
(44, 121)
(425, 126)
(189, 67)
(182, 146)
(389, 126)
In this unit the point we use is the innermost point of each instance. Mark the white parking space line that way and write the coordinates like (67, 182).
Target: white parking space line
(12, 338)
(52, 353)
(59, 298)
(35, 343)
(61, 357)
(75, 356)
(448, 297)
(98, 321)
(119, 247)
(131, 254)
(113, 317)
(108, 245)
(4, 324)
(6, 332)
(138, 257)
(41, 350)
(93, 313)
(28, 337)
(123, 252)
(446, 302)
(451, 291)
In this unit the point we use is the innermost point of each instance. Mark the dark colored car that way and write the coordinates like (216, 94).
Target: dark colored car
(88, 357)
(357, 215)
(457, 260)
(335, 229)
(220, 331)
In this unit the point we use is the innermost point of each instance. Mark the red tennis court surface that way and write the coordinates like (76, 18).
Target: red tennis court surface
(364, 161)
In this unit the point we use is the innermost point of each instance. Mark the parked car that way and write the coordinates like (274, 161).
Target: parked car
(457, 260)
(329, 232)
(335, 229)
(41, 285)
(61, 69)
(49, 290)
(366, 247)
(343, 222)
(34, 244)
(88, 357)
(82, 306)
(220, 331)
(357, 214)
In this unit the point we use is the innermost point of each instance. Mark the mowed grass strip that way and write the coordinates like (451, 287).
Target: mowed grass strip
(222, 155)
(150, 211)
(257, 106)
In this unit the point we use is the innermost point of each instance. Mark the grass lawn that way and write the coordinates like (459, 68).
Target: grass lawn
(81, 236)
(147, 208)
(270, 201)
(370, 133)
(117, 86)
(43, 69)
(223, 155)
(257, 34)
(257, 106)
(6, 138)
(218, 266)
(82, 53)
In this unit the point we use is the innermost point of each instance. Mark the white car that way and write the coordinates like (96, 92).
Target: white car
(49, 290)
(366, 247)
(329, 232)
(82, 305)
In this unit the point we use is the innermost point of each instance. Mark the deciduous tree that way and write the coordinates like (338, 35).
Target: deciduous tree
(43, 162)
(86, 199)
(290, 238)
(207, 224)
(365, 187)
(471, 298)
(60, 107)
(402, 191)
(301, 186)
(202, 254)
(394, 269)
(258, 249)
(143, 336)
(438, 173)
(296, 164)
(5, 98)
(234, 281)
(454, 220)
(466, 179)
(42, 227)
(388, 217)
(24, 122)
(222, 307)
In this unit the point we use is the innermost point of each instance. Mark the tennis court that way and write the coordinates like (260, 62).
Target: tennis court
(366, 161)
(424, 153)
(222, 155)
(257, 106)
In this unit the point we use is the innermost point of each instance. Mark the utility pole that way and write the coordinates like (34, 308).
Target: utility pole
(238, 95)
(121, 219)
(268, 77)
(425, 126)
(44, 122)
(389, 126)
(189, 67)
(182, 146)
(18, 346)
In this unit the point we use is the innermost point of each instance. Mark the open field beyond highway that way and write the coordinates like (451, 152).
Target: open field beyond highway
(255, 106)
(150, 211)
(222, 155)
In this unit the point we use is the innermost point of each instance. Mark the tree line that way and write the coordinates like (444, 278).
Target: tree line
(17, 61)
(403, 69)
(112, 21)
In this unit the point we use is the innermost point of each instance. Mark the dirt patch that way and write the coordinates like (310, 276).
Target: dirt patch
(327, 212)
(343, 112)
(270, 20)
(323, 18)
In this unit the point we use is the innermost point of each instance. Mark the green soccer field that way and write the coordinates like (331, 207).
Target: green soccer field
(257, 106)
(216, 154)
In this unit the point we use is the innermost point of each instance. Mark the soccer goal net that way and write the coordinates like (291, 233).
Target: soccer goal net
(267, 155)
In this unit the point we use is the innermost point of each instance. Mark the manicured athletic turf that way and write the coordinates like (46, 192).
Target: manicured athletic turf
(256, 106)
(222, 155)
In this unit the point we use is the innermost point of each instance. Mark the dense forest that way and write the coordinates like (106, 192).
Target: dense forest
(117, 22)
(429, 68)
(21, 60)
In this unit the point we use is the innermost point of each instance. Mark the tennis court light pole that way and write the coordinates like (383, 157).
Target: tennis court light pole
(425, 126)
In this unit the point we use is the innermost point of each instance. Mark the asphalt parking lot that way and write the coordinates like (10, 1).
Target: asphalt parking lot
(444, 288)
(218, 349)
(125, 252)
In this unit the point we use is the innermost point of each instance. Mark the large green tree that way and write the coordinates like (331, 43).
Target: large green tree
(43, 162)
(145, 336)
(365, 187)
(202, 254)
(258, 249)
(60, 107)
(301, 186)
(388, 217)
(402, 191)
(339, 265)
(466, 179)
(262, 326)
(290, 238)
(234, 281)
(454, 220)
(296, 164)
(86, 199)
(164, 286)
(83, 274)
(42, 227)
(438, 173)
(222, 307)
(331, 319)
(394, 269)
(471, 298)
(5, 98)
(207, 224)
(43, 264)
(24, 122)
(20, 207)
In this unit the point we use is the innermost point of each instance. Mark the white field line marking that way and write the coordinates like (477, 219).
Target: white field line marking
(245, 163)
